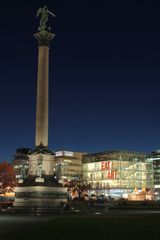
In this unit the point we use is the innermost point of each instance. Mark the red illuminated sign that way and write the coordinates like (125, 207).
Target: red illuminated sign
(112, 174)
(106, 165)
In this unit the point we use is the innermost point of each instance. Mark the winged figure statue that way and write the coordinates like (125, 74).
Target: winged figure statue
(44, 13)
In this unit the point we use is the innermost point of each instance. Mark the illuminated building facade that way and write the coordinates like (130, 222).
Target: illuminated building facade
(67, 166)
(112, 173)
(117, 173)
(154, 158)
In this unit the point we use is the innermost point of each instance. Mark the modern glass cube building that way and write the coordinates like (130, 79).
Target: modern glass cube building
(118, 173)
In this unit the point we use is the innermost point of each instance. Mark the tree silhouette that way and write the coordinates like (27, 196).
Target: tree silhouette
(79, 186)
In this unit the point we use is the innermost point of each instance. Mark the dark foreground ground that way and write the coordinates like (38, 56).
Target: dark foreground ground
(117, 225)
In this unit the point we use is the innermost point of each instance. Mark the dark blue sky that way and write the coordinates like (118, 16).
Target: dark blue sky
(104, 75)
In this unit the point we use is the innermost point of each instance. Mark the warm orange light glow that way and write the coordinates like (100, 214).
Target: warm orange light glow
(8, 194)
(143, 189)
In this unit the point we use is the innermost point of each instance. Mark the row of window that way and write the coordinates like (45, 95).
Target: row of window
(20, 166)
(71, 164)
(72, 175)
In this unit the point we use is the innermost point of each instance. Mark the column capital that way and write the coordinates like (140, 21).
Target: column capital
(44, 37)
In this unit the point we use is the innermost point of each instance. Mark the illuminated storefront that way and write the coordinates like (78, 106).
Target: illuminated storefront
(118, 173)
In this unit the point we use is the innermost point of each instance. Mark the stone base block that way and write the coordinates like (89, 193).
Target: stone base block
(40, 196)
(20, 180)
(39, 180)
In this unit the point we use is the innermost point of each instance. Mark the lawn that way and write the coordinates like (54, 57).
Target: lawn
(119, 227)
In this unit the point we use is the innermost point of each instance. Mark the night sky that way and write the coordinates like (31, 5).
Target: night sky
(104, 75)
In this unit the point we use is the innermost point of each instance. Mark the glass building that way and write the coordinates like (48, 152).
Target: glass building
(118, 173)
(154, 158)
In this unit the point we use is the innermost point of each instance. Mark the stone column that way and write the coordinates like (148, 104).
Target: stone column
(41, 137)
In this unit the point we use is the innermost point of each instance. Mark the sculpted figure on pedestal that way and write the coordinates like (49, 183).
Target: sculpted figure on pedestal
(44, 12)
